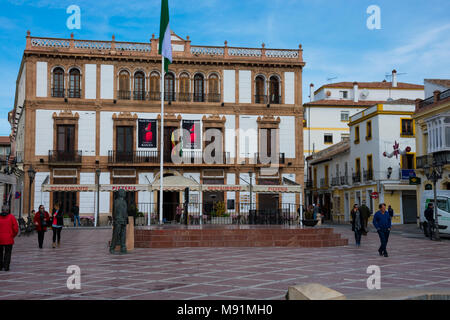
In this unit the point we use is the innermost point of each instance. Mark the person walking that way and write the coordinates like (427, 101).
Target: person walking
(57, 224)
(76, 215)
(357, 224)
(429, 215)
(391, 211)
(316, 211)
(382, 222)
(365, 214)
(9, 228)
(41, 221)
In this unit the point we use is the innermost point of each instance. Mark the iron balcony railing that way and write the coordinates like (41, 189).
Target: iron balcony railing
(260, 98)
(74, 93)
(214, 97)
(356, 177)
(279, 156)
(133, 156)
(185, 157)
(323, 183)
(170, 96)
(368, 175)
(199, 97)
(184, 96)
(58, 92)
(433, 99)
(123, 95)
(154, 96)
(139, 95)
(335, 181)
(274, 99)
(309, 184)
(344, 180)
(63, 156)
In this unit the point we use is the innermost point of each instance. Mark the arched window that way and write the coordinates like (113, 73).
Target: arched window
(58, 83)
(139, 86)
(169, 87)
(124, 85)
(184, 88)
(155, 90)
(74, 84)
(199, 88)
(213, 88)
(274, 90)
(260, 94)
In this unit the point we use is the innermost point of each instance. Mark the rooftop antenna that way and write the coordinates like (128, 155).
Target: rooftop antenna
(389, 75)
(331, 78)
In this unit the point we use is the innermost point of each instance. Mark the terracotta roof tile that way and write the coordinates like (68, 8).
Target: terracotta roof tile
(440, 82)
(372, 85)
(330, 102)
(5, 140)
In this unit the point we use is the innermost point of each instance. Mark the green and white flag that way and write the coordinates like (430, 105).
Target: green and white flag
(165, 46)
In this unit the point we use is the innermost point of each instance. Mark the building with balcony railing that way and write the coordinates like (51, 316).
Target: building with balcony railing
(95, 105)
(432, 122)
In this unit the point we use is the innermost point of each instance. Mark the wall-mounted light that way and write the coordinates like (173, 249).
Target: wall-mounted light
(223, 104)
(268, 105)
(389, 172)
(41, 160)
(114, 101)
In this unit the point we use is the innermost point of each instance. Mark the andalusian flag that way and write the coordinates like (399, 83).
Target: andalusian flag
(165, 46)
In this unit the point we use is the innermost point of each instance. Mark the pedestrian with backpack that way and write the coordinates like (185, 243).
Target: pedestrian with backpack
(42, 222)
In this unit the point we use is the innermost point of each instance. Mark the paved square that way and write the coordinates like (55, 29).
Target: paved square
(218, 273)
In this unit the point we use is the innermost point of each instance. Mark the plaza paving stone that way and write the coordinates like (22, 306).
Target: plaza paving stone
(218, 273)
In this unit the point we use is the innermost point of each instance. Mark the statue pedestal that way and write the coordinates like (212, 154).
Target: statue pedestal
(130, 235)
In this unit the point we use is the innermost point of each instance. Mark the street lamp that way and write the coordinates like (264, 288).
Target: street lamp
(97, 213)
(250, 174)
(434, 173)
(389, 172)
(31, 175)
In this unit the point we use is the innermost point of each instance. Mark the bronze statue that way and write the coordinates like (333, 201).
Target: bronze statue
(120, 220)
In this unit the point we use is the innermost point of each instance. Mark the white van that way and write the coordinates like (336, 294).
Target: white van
(443, 205)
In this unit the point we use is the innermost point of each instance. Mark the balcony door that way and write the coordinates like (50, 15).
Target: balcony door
(65, 149)
(124, 143)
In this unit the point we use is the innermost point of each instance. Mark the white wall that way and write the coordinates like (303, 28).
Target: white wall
(87, 199)
(106, 81)
(289, 88)
(229, 86)
(230, 135)
(41, 79)
(90, 81)
(104, 196)
(106, 132)
(44, 132)
(288, 198)
(245, 86)
(248, 136)
(86, 132)
(287, 136)
(145, 196)
(40, 198)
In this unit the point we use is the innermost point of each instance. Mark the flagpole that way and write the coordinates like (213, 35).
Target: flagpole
(161, 165)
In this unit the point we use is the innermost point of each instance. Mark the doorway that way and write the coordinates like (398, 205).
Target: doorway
(171, 199)
(268, 201)
(409, 204)
(66, 200)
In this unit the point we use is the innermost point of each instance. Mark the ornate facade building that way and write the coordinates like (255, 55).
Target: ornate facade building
(87, 113)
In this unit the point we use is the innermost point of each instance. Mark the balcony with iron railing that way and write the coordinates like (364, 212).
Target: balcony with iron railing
(344, 180)
(58, 92)
(267, 159)
(64, 156)
(309, 184)
(274, 99)
(261, 98)
(356, 177)
(436, 158)
(368, 175)
(437, 97)
(74, 93)
(124, 95)
(335, 181)
(323, 183)
(153, 157)
(139, 95)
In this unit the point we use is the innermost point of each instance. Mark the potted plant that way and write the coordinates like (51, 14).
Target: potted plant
(67, 220)
(308, 220)
(140, 219)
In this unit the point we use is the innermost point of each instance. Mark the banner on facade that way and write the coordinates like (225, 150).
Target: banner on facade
(69, 187)
(147, 136)
(192, 140)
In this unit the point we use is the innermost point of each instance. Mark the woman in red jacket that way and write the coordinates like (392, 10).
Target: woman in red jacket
(41, 221)
(8, 230)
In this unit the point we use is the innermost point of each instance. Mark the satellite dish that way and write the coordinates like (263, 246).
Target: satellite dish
(364, 93)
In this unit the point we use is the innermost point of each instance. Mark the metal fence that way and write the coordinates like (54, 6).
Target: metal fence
(208, 213)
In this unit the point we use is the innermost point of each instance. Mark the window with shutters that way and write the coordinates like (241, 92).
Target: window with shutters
(124, 85)
(74, 83)
(139, 86)
(169, 87)
(213, 88)
(155, 90)
(274, 90)
(184, 94)
(199, 90)
(260, 92)
(58, 83)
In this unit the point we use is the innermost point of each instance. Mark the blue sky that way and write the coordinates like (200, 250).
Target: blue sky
(414, 37)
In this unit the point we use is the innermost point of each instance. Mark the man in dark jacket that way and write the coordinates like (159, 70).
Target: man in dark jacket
(382, 222)
(8, 231)
(391, 211)
(429, 215)
(76, 215)
(365, 214)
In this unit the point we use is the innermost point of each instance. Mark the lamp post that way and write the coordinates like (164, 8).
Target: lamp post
(250, 175)
(434, 173)
(389, 172)
(97, 213)
(31, 175)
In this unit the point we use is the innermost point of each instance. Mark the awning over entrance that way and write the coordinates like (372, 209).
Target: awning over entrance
(172, 183)
(393, 187)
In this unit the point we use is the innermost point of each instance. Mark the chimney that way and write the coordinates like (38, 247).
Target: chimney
(311, 92)
(355, 91)
(394, 78)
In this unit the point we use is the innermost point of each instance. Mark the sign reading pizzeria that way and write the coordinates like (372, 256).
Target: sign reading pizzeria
(147, 136)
